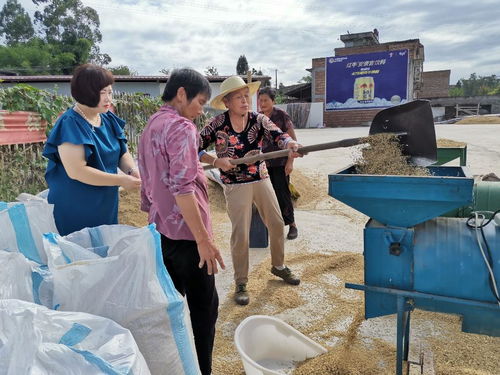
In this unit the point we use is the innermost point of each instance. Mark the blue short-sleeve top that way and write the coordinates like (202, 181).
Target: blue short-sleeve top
(78, 205)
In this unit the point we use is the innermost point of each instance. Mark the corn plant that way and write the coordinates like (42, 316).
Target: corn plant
(22, 170)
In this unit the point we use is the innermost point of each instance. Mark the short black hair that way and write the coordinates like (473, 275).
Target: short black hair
(193, 82)
(87, 82)
(268, 91)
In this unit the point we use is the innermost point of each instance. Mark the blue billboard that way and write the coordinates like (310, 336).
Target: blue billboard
(368, 80)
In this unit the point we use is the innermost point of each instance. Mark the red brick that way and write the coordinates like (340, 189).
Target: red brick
(435, 84)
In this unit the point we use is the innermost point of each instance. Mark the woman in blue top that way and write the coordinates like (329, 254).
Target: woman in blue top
(85, 149)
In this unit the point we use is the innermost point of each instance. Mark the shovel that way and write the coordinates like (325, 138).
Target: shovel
(412, 123)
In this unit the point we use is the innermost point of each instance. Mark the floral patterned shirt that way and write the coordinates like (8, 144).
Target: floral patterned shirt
(169, 166)
(229, 143)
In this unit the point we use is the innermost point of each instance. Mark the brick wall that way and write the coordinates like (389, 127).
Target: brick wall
(358, 117)
(348, 118)
(318, 79)
(413, 45)
(436, 84)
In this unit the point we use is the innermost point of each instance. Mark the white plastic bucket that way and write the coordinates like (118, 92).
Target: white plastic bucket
(267, 345)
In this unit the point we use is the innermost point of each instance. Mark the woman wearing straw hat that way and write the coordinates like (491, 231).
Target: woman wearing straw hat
(238, 133)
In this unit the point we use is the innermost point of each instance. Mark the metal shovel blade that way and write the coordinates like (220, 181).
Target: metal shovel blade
(415, 119)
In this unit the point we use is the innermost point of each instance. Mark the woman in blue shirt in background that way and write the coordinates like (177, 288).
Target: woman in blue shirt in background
(85, 149)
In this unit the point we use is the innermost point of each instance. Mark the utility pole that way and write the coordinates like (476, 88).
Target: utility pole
(249, 79)
(276, 78)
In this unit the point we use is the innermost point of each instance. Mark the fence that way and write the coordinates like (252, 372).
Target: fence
(136, 109)
(299, 113)
(304, 115)
(467, 110)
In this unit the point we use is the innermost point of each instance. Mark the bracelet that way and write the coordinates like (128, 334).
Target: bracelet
(213, 163)
(131, 170)
(201, 153)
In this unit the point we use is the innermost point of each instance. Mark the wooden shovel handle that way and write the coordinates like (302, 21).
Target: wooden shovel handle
(302, 150)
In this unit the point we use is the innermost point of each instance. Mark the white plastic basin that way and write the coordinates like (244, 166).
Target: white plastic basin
(267, 345)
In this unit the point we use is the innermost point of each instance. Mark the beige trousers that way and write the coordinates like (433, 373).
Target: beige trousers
(239, 199)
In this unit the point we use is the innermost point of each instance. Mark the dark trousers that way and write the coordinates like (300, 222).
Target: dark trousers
(280, 183)
(181, 259)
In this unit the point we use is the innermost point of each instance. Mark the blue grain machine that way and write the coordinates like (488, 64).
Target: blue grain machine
(415, 259)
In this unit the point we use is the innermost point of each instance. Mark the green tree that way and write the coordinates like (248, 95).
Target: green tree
(456, 91)
(306, 79)
(67, 23)
(122, 70)
(242, 65)
(37, 57)
(31, 58)
(256, 72)
(495, 91)
(479, 85)
(211, 71)
(67, 35)
(15, 23)
(280, 98)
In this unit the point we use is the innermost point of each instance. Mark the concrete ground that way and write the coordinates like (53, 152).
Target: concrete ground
(329, 222)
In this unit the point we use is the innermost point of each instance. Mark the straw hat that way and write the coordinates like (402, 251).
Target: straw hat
(229, 85)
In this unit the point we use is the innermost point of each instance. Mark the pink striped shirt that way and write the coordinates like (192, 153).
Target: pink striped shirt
(169, 166)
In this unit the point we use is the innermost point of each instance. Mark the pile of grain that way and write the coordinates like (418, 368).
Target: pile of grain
(383, 156)
(312, 190)
(479, 120)
(449, 143)
(216, 197)
(129, 212)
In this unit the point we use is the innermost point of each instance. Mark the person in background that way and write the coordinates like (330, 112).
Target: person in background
(279, 169)
(84, 149)
(175, 195)
(239, 132)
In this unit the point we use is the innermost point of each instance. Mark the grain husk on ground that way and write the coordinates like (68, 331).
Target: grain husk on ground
(323, 309)
(129, 210)
(320, 307)
(449, 143)
(480, 120)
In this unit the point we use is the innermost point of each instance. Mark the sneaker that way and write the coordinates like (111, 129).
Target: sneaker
(241, 295)
(286, 275)
(292, 233)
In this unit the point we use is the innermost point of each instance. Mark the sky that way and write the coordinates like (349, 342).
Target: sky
(283, 36)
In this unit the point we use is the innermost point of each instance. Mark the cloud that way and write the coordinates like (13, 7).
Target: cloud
(286, 35)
